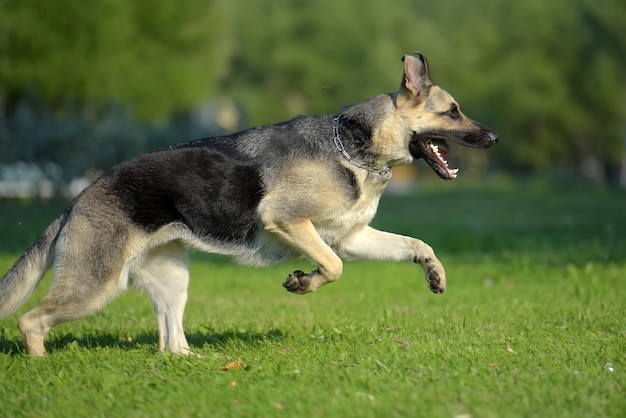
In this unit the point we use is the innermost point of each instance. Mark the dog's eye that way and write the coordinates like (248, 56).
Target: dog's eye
(453, 113)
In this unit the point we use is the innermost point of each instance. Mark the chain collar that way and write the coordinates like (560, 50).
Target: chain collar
(384, 172)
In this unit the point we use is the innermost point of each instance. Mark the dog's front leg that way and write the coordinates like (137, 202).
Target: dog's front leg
(371, 244)
(302, 236)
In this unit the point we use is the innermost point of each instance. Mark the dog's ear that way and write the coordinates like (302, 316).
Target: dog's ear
(416, 79)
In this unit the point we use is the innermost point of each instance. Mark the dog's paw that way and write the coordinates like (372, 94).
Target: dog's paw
(298, 282)
(436, 281)
(433, 270)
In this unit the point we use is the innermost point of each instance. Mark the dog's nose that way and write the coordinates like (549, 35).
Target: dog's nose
(493, 137)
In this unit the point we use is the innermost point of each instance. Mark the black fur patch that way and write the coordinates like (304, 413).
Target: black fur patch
(349, 179)
(356, 137)
(216, 196)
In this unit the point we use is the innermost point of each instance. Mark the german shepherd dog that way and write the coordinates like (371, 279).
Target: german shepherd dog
(304, 188)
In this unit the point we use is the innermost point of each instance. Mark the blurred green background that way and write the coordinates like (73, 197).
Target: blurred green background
(84, 85)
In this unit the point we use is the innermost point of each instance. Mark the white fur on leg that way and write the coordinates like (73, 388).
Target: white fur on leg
(163, 273)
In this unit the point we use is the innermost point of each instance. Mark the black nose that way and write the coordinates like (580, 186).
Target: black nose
(493, 137)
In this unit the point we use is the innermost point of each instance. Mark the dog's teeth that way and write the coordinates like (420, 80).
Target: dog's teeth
(454, 172)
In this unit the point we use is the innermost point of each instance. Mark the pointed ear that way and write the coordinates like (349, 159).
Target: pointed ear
(416, 79)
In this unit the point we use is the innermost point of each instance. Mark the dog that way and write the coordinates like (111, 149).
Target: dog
(308, 187)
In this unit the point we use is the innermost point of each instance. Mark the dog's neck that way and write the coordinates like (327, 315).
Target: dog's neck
(353, 140)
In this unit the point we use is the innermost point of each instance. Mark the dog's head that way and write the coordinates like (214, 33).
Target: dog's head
(431, 117)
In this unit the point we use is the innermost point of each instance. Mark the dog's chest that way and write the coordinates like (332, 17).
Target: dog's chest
(341, 223)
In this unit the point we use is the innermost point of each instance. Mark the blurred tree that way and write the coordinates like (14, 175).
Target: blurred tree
(310, 57)
(158, 56)
(560, 85)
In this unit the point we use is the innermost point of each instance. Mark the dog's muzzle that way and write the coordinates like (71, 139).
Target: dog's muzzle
(433, 147)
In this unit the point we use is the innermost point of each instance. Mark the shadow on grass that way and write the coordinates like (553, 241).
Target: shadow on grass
(149, 340)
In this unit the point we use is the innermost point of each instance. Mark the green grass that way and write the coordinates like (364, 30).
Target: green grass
(532, 324)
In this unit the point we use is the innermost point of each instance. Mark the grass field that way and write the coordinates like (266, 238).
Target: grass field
(532, 325)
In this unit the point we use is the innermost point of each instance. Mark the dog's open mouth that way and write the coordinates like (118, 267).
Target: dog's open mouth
(434, 152)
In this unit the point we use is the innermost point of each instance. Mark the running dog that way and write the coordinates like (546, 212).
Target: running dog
(308, 188)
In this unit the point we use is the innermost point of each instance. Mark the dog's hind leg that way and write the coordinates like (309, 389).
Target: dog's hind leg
(86, 276)
(163, 273)
(61, 304)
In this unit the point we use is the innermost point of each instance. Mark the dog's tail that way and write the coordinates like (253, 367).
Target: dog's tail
(20, 281)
